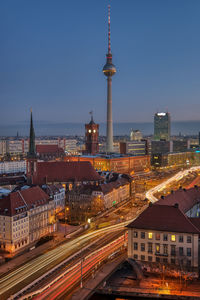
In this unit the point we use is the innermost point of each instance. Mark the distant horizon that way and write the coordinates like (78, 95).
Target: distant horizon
(52, 128)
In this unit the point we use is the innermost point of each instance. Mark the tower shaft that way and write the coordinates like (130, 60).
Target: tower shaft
(109, 70)
(109, 141)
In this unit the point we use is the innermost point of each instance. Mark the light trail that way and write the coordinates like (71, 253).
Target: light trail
(48, 259)
(73, 276)
(150, 194)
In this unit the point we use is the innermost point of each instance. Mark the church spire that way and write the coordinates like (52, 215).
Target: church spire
(31, 152)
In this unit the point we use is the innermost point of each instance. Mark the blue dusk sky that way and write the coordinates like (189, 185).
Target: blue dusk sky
(52, 53)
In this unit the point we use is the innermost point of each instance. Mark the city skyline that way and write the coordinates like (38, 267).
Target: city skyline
(45, 45)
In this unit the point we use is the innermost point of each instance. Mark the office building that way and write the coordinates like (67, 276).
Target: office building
(135, 135)
(162, 126)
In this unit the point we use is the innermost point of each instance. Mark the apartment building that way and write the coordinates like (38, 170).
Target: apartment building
(25, 216)
(8, 167)
(163, 234)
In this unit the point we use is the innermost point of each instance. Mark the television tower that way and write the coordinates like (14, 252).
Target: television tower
(109, 70)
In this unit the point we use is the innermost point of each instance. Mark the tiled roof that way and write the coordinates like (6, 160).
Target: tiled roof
(186, 199)
(195, 222)
(42, 149)
(108, 187)
(104, 188)
(24, 200)
(164, 218)
(60, 171)
(52, 189)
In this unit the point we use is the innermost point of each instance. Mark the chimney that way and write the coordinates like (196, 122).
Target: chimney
(172, 191)
(176, 205)
(162, 197)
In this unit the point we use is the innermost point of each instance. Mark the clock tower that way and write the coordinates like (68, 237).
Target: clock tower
(91, 137)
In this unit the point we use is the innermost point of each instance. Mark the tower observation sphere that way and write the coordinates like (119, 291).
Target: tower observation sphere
(109, 70)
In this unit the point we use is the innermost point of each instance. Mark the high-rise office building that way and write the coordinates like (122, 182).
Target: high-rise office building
(162, 126)
(109, 70)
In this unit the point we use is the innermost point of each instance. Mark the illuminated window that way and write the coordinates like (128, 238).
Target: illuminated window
(157, 248)
(94, 130)
(89, 130)
(173, 238)
(150, 235)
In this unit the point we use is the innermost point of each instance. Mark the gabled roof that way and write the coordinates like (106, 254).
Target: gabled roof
(60, 171)
(164, 218)
(20, 201)
(195, 222)
(186, 198)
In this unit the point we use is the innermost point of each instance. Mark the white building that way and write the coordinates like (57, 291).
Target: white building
(25, 216)
(57, 193)
(162, 234)
(7, 167)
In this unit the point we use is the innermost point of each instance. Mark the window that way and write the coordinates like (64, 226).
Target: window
(180, 251)
(189, 240)
(188, 263)
(165, 249)
(135, 246)
(173, 261)
(135, 256)
(135, 234)
(157, 259)
(142, 257)
(149, 258)
(150, 248)
(173, 250)
(157, 248)
(165, 260)
(165, 237)
(188, 251)
(180, 238)
(142, 247)
(142, 235)
(150, 235)
(157, 236)
(173, 238)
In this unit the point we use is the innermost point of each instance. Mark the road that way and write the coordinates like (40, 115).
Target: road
(73, 275)
(150, 194)
(25, 274)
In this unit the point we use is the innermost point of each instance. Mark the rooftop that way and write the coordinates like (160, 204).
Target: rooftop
(164, 218)
(186, 198)
(20, 201)
(60, 171)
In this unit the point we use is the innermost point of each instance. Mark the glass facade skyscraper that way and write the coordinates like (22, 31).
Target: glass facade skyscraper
(162, 126)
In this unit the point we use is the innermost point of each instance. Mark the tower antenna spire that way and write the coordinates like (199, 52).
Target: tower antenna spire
(109, 44)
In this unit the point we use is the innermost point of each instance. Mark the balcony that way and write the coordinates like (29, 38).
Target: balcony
(161, 254)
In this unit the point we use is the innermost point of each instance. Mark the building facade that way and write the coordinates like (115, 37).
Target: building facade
(116, 163)
(8, 167)
(135, 135)
(155, 238)
(91, 137)
(25, 216)
(162, 126)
